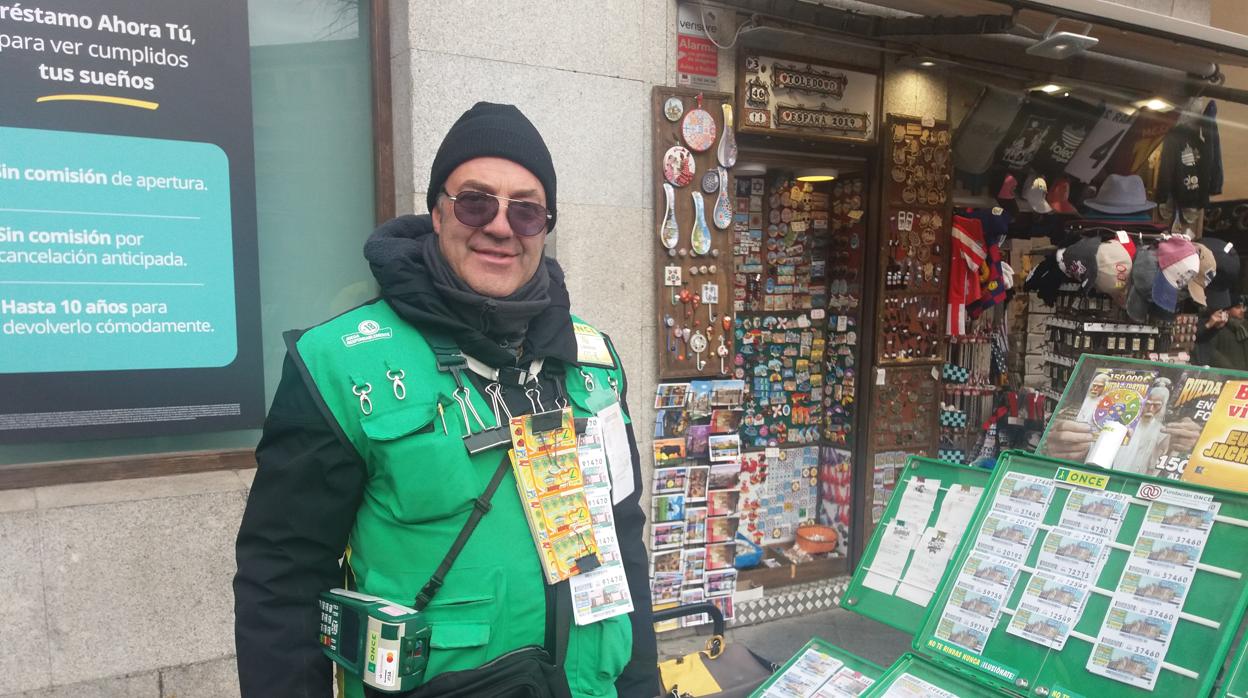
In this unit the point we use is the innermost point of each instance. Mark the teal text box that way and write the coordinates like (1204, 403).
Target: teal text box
(101, 273)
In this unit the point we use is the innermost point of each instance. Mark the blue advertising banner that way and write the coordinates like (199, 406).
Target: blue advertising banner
(128, 265)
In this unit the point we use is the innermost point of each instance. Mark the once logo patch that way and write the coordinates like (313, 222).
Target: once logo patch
(368, 331)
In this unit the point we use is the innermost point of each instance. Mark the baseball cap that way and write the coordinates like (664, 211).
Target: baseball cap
(1208, 269)
(1226, 279)
(1079, 261)
(1059, 197)
(1045, 279)
(1009, 186)
(1113, 270)
(1033, 199)
(1178, 262)
(1140, 293)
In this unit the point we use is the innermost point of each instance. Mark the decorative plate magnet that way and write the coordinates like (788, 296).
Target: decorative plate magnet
(701, 235)
(710, 182)
(678, 165)
(698, 128)
(727, 153)
(721, 215)
(673, 108)
(669, 233)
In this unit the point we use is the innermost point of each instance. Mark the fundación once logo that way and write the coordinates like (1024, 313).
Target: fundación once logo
(368, 331)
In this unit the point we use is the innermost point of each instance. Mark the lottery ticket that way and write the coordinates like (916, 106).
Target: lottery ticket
(957, 508)
(890, 557)
(917, 501)
(1023, 495)
(1055, 593)
(964, 629)
(845, 683)
(1006, 536)
(988, 571)
(1073, 554)
(1154, 584)
(910, 686)
(985, 602)
(1096, 512)
(1040, 626)
(927, 566)
(1125, 663)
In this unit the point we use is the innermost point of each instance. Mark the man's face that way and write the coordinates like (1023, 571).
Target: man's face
(1236, 311)
(1152, 406)
(493, 260)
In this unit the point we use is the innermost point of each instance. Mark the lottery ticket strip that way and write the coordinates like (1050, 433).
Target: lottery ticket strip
(1052, 580)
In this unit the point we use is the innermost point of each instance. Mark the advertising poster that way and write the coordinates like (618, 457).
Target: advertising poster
(1170, 421)
(128, 266)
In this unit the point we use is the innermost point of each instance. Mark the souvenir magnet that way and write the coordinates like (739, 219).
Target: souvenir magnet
(701, 235)
(669, 233)
(721, 215)
(727, 153)
(678, 165)
(698, 128)
(673, 108)
(710, 182)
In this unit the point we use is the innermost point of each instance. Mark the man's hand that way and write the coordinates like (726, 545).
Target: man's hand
(1183, 434)
(1069, 439)
(1217, 319)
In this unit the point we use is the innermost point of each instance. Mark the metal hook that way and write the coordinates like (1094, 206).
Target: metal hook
(396, 383)
(589, 380)
(366, 404)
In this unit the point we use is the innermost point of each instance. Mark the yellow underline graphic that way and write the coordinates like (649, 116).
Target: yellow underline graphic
(123, 101)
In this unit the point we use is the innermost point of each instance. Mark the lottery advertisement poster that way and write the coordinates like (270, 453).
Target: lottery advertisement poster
(1181, 423)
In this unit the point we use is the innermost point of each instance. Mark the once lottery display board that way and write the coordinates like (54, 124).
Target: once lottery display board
(915, 677)
(821, 669)
(1236, 685)
(916, 539)
(1080, 582)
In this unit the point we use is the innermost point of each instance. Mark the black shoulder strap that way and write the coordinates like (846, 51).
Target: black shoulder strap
(480, 506)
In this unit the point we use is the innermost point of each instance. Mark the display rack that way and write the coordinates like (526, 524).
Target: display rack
(890, 609)
(908, 667)
(1207, 619)
(1236, 685)
(866, 668)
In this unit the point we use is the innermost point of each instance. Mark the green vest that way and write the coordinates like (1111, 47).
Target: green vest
(421, 483)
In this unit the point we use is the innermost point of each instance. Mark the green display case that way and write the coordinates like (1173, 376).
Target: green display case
(1236, 684)
(931, 678)
(868, 669)
(893, 610)
(1209, 601)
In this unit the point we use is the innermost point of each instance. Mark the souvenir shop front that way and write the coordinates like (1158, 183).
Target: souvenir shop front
(869, 254)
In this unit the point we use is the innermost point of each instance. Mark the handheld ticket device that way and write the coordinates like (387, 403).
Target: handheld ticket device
(386, 645)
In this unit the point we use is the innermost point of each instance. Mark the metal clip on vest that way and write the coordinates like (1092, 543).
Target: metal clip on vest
(362, 391)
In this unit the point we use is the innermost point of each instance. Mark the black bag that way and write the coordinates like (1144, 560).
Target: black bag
(527, 672)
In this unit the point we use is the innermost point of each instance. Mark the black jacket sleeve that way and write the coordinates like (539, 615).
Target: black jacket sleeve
(640, 678)
(294, 531)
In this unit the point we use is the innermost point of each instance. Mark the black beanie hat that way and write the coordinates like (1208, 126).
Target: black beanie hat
(493, 130)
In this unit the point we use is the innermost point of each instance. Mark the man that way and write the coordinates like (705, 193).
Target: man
(364, 456)
(1149, 439)
(1228, 347)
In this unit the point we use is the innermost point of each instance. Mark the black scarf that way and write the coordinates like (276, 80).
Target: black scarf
(418, 282)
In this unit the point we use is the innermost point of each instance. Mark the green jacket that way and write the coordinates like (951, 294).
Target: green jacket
(1229, 346)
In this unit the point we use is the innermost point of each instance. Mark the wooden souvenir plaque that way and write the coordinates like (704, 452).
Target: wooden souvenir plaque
(683, 280)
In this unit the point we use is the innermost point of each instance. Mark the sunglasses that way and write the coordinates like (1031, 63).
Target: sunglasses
(476, 209)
